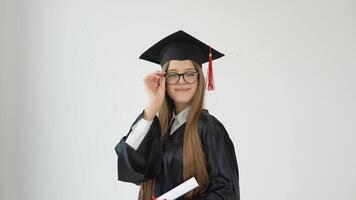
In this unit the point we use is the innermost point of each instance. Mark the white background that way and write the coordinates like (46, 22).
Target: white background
(71, 85)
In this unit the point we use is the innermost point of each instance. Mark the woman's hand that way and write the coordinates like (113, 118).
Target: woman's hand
(155, 86)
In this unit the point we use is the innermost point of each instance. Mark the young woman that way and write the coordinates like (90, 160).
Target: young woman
(184, 140)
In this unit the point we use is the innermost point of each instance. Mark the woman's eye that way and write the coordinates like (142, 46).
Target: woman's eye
(190, 74)
(171, 75)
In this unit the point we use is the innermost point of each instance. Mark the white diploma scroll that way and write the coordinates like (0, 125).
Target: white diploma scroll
(180, 190)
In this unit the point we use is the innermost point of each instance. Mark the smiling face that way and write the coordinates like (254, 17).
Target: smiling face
(182, 93)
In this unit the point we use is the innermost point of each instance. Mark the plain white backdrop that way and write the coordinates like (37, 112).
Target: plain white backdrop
(71, 84)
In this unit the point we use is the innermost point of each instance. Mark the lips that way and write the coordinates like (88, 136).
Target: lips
(182, 89)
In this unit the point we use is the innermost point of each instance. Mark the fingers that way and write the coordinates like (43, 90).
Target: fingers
(155, 79)
(162, 81)
(154, 76)
(159, 72)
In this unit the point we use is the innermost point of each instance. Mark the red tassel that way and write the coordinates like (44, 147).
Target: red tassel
(154, 198)
(211, 84)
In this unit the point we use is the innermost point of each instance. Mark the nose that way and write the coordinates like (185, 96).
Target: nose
(181, 81)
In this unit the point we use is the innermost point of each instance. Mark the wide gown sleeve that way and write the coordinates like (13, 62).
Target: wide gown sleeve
(221, 164)
(136, 166)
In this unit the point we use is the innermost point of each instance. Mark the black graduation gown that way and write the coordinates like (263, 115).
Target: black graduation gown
(164, 159)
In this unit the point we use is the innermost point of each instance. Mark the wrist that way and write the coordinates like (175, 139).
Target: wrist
(149, 113)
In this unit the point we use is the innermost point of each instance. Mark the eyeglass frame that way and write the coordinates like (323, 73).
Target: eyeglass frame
(182, 74)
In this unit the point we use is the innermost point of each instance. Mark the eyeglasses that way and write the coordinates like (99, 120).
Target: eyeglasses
(189, 77)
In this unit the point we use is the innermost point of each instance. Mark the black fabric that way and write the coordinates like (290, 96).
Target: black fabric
(179, 46)
(165, 161)
(139, 165)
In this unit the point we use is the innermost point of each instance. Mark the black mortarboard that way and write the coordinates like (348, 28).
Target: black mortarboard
(182, 46)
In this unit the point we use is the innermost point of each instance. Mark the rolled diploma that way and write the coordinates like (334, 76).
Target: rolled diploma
(180, 190)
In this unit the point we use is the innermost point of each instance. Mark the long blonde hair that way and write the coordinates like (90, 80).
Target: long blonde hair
(194, 161)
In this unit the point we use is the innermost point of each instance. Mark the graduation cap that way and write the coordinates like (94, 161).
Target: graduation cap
(182, 46)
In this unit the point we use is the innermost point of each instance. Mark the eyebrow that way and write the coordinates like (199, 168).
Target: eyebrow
(188, 69)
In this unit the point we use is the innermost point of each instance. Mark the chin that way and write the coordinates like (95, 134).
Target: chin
(182, 99)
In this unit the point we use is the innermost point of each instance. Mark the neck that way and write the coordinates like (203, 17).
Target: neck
(180, 106)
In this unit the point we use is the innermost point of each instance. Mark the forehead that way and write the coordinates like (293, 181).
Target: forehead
(180, 65)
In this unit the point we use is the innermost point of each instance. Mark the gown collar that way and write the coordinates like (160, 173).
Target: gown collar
(180, 118)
